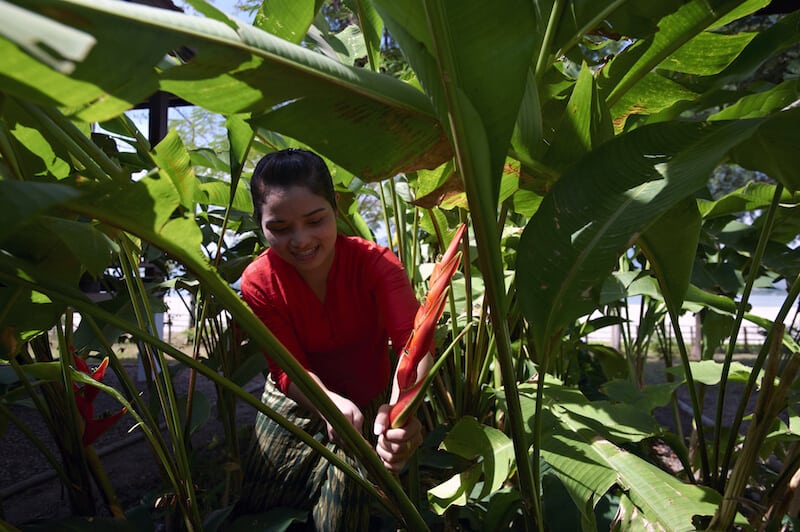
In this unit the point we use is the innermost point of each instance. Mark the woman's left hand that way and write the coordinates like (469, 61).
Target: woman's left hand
(395, 446)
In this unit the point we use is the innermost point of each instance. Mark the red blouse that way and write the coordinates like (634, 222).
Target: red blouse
(344, 341)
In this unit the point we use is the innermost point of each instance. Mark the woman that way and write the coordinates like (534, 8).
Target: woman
(334, 302)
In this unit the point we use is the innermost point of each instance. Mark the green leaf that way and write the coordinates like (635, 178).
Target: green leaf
(35, 151)
(762, 103)
(769, 42)
(46, 371)
(650, 397)
(671, 245)
(88, 245)
(455, 491)
(588, 464)
(275, 520)
(472, 440)
(287, 19)
(247, 70)
(752, 196)
(211, 11)
(585, 124)
(371, 29)
(709, 372)
(773, 149)
(249, 368)
(240, 138)
(201, 410)
(652, 93)
(595, 211)
(41, 37)
(20, 202)
(84, 57)
(175, 164)
(479, 69)
(707, 53)
(218, 192)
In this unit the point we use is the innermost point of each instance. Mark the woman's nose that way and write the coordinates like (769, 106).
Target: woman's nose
(299, 238)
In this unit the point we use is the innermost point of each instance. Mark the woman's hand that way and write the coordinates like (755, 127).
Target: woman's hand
(350, 411)
(396, 446)
(347, 407)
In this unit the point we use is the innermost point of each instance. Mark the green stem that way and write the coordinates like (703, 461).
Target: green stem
(547, 40)
(755, 261)
(601, 14)
(145, 421)
(385, 215)
(484, 225)
(690, 385)
(166, 393)
(771, 400)
(412, 266)
(399, 227)
(786, 307)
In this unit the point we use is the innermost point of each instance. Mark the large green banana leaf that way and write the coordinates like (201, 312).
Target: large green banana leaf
(374, 125)
(599, 208)
(594, 431)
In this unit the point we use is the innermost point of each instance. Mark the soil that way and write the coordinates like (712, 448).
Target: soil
(30, 493)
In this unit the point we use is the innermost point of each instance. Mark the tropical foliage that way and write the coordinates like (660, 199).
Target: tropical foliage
(577, 140)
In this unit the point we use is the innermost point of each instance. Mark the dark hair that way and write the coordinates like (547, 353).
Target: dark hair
(289, 168)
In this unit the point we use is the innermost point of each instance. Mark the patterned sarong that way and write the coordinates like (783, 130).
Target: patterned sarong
(282, 471)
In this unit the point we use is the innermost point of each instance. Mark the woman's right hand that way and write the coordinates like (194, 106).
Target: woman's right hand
(350, 411)
(347, 407)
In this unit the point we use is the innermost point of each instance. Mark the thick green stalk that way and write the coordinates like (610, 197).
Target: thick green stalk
(755, 261)
(545, 60)
(484, 224)
(399, 226)
(786, 307)
(771, 401)
(385, 214)
(412, 266)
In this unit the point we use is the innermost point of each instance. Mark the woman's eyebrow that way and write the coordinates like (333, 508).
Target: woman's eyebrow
(281, 220)
(315, 211)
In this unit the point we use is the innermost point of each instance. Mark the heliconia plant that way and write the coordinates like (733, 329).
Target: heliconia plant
(409, 382)
(93, 427)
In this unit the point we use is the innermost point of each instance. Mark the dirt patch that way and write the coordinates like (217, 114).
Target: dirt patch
(31, 493)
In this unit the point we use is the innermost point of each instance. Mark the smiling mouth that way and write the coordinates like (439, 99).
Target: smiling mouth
(305, 254)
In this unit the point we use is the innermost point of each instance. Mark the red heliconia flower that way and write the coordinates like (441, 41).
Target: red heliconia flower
(84, 399)
(421, 339)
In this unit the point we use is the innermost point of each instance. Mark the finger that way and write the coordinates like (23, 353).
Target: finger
(357, 420)
(381, 420)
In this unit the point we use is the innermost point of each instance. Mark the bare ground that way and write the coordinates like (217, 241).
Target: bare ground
(30, 493)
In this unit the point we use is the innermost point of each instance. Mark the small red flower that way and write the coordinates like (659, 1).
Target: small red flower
(84, 399)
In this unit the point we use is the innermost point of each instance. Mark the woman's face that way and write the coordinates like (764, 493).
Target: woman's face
(301, 227)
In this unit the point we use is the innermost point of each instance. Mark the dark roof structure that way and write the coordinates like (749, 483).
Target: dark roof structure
(160, 102)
